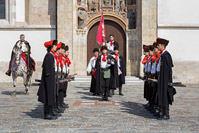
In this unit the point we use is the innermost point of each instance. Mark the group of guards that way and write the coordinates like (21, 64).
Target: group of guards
(53, 86)
(158, 90)
(107, 69)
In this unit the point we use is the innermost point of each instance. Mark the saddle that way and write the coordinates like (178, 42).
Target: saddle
(25, 59)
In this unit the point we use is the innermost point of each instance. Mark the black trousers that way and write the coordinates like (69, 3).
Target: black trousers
(93, 85)
(105, 85)
(65, 86)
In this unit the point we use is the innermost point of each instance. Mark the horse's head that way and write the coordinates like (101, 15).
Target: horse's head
(17, 55)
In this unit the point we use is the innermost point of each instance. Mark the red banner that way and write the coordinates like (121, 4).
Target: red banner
(100, 38)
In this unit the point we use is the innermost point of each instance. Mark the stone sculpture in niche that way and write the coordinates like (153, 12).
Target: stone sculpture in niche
(93, 5)
(80, 21)
(122, 5)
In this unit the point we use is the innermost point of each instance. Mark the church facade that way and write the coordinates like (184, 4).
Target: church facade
(75, 22)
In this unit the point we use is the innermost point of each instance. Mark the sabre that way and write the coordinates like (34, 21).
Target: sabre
(177, 84)
(67, 79)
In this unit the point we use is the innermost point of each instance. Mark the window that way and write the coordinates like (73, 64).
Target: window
(131, 2)
(2, 9)
(132, 14)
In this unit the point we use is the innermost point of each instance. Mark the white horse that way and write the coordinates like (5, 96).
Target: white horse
(19, 68)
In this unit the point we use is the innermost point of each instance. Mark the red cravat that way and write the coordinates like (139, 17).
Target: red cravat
(56, 56)
(96, 57)
(104, 57)
(112, 42)
(64, 59)
(162, 50)
(60, 60)
(144, 60)
(68, 61)
(116, 57)
(153, 58)
(149, 58)
(158, 57)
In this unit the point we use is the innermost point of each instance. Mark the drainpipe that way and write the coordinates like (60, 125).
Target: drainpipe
(56, 19)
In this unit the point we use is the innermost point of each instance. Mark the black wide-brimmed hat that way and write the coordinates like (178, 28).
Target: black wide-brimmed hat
(155, 45)
(151, 47)
(162, 41)
(146, 48)
(95, 50)
(103, 47)
(116, 48)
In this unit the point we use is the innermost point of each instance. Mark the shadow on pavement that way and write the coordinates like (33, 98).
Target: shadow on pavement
(136, 109)
(37, 112)
(85, 93)
(90, 98)
(83, 88)
(11, 92)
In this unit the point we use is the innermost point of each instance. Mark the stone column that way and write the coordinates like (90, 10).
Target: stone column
(149, 24)
(65, 23)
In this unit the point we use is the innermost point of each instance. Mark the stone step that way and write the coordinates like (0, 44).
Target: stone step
(130, 80)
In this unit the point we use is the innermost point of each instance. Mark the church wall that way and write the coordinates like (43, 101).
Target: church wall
(178, 22)
(38, 27)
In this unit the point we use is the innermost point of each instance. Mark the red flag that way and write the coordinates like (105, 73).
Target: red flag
(100, 38)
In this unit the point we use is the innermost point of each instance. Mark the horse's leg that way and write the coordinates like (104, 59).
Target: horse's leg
(14, 84)
(29, 79)
(25, 80)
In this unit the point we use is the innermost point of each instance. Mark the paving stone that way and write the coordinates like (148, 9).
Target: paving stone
(86, 113)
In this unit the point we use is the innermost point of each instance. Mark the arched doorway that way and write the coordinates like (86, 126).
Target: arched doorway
(111, 27)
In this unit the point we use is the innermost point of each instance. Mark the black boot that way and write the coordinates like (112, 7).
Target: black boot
(8, 73)
(147, 105)
(48, 113)
(64, 105)
(105, 97)
(120, 91)
(160, 115)
(94, 94)
(151, 109)
(166, 113)
(60, 101)
(55, 111)
(156, 110)
(113, 92)
(109, 93)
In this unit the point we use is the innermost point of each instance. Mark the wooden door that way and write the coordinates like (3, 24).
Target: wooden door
(111, 28)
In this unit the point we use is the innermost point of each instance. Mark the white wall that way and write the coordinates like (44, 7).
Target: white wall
(183, 43)
(20, 10)
(34, 37)
(178, 21)
(178, 12)
(174, 19)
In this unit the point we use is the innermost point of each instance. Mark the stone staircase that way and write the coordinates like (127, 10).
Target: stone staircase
(130, 80)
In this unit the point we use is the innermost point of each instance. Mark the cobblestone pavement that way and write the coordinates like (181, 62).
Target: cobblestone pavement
(86, 114)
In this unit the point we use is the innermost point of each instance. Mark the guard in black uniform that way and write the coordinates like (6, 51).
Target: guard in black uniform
(165, 92)
(120, 72)
(105, 73)
(46, 93)
(91, 70)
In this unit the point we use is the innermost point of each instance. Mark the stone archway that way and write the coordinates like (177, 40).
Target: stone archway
(111, 27)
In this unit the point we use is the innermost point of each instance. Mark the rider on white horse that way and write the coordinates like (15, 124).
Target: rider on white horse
(25, 47)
